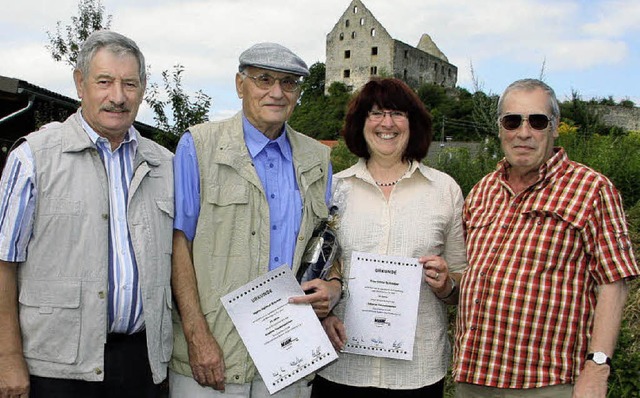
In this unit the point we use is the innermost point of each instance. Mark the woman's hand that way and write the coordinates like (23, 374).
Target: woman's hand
(436, 275)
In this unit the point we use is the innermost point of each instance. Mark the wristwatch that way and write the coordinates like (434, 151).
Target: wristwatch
(343, 288)
(599, 358)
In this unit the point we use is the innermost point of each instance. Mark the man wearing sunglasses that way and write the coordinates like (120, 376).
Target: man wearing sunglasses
(249, 192)
(549, 252)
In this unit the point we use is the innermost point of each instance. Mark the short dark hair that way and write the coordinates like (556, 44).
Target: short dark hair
(393, 94)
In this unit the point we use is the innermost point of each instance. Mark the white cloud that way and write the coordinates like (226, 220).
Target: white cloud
(32, 63)
(585, 54)
(615, 19)
(501, 38)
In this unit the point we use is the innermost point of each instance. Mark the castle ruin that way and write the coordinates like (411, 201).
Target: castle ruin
(359, 47)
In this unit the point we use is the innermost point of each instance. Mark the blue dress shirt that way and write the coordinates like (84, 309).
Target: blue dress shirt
(273, 160)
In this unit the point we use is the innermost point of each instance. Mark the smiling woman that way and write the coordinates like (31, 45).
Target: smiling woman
(391, 204)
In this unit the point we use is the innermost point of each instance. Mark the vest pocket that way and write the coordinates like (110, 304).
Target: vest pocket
(50, 318)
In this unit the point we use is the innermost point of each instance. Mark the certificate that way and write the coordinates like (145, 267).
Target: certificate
(285, 341)
(382, 307)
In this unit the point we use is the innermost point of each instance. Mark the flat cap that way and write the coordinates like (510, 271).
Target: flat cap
(273, 56)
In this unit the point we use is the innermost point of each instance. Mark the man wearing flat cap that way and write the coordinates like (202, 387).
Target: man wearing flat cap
(249, 191)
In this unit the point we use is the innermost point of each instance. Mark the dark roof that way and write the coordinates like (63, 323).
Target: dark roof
(15, 95)
(10, 85)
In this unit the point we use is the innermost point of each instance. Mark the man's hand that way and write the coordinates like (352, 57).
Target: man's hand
(14, 376)
(335, 330)
(206, 359)
(322, 295)
(592, 382)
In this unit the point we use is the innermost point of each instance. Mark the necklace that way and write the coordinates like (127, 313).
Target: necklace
(388, 184)
(392, 183)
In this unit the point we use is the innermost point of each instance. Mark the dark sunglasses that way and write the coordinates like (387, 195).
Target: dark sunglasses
(536, 121)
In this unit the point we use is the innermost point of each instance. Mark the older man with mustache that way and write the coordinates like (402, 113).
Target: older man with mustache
(85, 243)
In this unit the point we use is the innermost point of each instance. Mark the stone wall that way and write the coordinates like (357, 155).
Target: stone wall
(627, 118)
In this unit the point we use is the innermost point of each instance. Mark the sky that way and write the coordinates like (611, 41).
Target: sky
(591, 47)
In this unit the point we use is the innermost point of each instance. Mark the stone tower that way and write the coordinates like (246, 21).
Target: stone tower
(359, 47)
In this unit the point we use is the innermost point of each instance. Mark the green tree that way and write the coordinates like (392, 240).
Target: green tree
(318, 115)
(313, 85)
(582, 115)
(451, 110)
(65, 43)
(185, 111)
(627, 103)
(341, 157)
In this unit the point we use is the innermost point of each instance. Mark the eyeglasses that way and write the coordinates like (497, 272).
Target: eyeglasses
(266, 81)
(396, 116)
(536, 121)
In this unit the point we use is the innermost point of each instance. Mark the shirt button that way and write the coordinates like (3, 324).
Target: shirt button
(276, 258)
(274, 227)
(98, 371)
(301, 237)
(271, 165)
(105, 216)
(101, 294)
(477, 301)
(237, 377)
(472, 328)
(253, 232)
(273, 196)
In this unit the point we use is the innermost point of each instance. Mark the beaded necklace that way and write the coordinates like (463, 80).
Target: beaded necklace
(388, 184)
(392, 183)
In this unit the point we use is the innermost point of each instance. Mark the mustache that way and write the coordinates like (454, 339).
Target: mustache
(115, 108)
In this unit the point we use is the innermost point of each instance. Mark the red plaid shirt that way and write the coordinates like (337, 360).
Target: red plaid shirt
(535, 259)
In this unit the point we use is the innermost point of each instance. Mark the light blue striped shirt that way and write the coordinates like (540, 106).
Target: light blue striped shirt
(19, 193)
(273, 161)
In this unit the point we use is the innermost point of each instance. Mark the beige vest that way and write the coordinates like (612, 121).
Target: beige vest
(231, 245)
(63, 284)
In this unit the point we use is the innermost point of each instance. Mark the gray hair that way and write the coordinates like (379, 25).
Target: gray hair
(530, 85)
(113, 42)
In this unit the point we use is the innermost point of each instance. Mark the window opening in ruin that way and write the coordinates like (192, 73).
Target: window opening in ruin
(361, 21)
(341, 36)
(347, 54)
(346, 73)
(353, 35)
(374, 70)
(355, 9)
(346, 23)
(374, 50)
(373, 32)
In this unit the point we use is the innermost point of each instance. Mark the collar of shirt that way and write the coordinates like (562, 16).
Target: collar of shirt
(256, 141)
(101, 142)
(359, 170)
